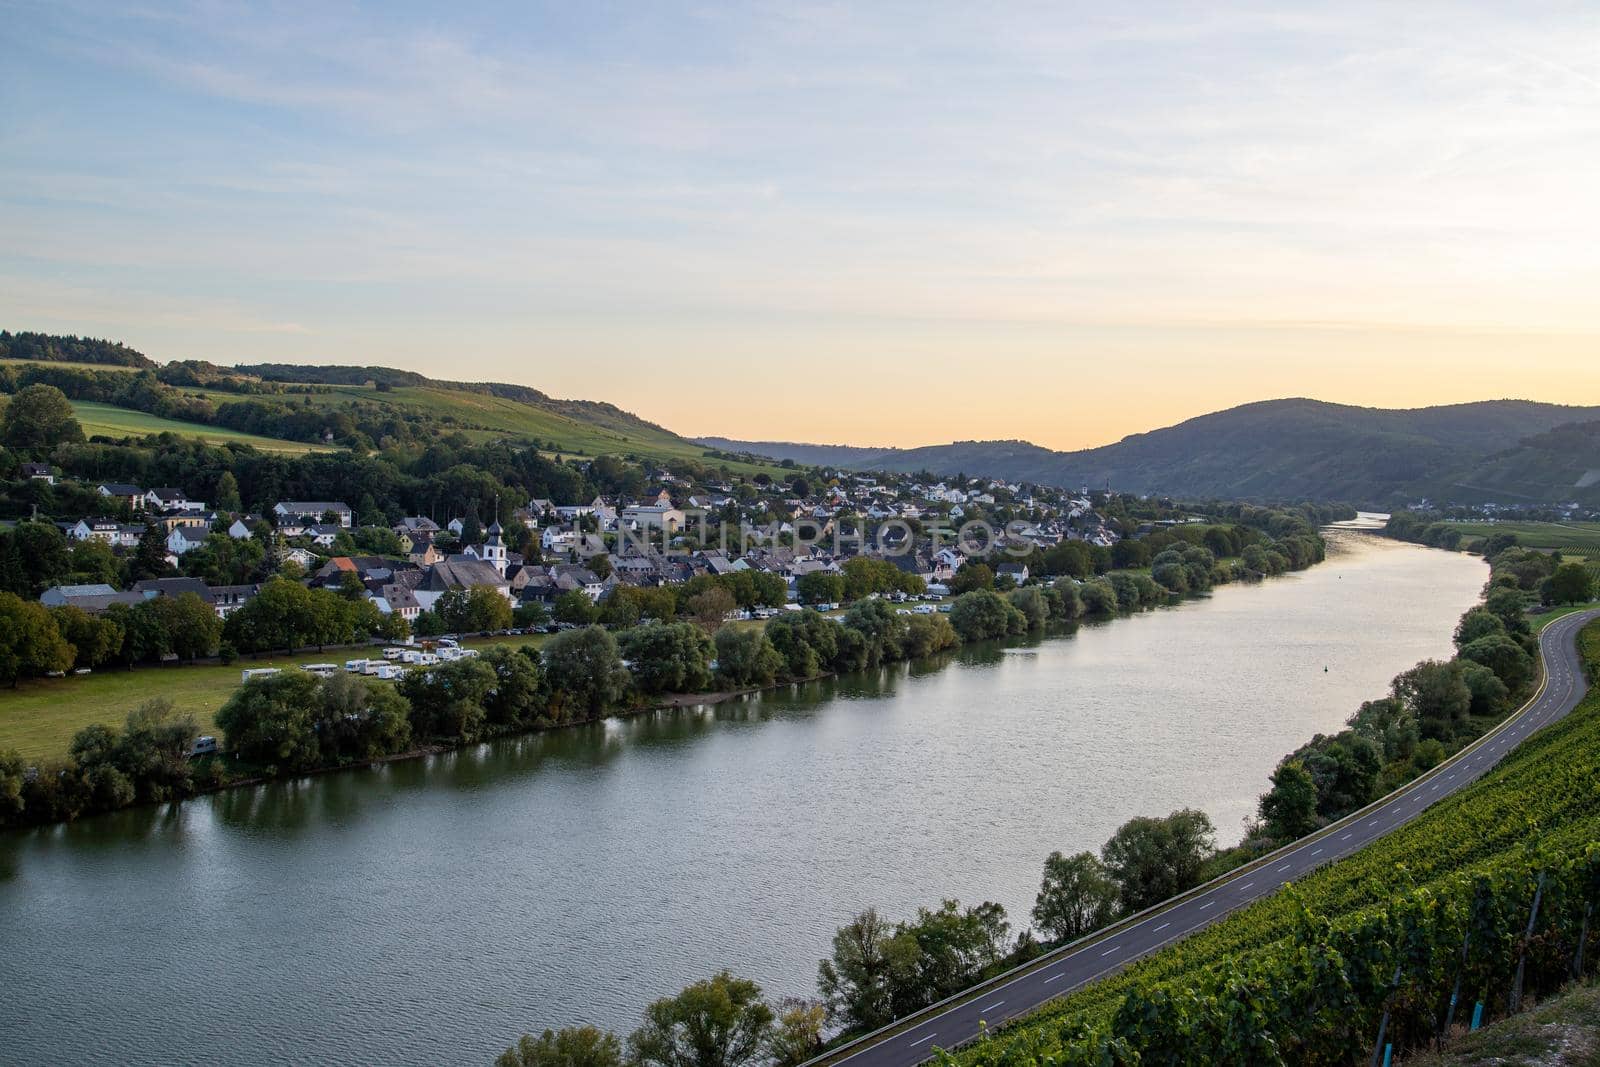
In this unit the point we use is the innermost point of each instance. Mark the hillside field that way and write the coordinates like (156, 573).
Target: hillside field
(111, 421)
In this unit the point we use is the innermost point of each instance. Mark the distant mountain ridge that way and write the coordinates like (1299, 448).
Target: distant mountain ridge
(1286, 449)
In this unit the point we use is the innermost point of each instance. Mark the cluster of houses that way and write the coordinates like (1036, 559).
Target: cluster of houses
(660, 540)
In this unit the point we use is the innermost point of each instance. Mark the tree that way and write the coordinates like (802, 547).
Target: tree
(1571, 584)
(95, 639)
(1030, 601)
(574, 606)
(1289, 808)
(858, 980)
(668, 658)
(447, 701)
(361, 719)
(30, 643)
(820, 587)
(1099, 597)
(150, 558)
(1479, 622)
(226, 495)
(711, 607)
(571, 1046)
(270, 721)
(797, 1037)
(1152, 859)
(983, 614)
(745, 657)
(278, 616)
(949, 948)
(585, 671)
(191, 625)
(39, 416)
(1434, 693)
(1077, 897)
(1505, 657)
(720, 1022)
(972, 576)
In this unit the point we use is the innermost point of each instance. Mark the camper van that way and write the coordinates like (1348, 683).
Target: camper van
(393, 653)
(387, 672)
(204, 745)
(321, 670)
(258, 672)
(355, 666)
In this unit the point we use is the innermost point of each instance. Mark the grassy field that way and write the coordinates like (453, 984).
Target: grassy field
(113, 421)
(39, 717)
(1572, 538)
(68, 363)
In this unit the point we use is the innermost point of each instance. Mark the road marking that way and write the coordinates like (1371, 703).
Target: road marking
(1109, 951)
(1160, 928)
(993, 1006)
(1346, 837)
(1316, 852)
(1285, 867)
(1247, 885)
(1207, 904)
(924, 1040)
(1053, 977)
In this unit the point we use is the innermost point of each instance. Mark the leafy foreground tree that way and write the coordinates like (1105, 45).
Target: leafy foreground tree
(1153, 859)
(1077, 897)
(720, 1022)
(571, 1046)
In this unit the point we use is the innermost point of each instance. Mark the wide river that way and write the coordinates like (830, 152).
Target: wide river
(428, 912)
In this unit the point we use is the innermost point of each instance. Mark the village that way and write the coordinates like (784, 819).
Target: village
(547, 549)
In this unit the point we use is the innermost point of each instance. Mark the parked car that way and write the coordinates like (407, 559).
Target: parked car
(204, 745)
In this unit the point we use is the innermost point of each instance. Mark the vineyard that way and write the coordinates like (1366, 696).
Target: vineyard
(1490, 895)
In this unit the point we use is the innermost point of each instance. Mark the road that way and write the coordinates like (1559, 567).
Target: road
(1071, 967)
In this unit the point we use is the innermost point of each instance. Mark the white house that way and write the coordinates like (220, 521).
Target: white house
(165, 498)
(184, 538)
(114, 533)
(239, 531)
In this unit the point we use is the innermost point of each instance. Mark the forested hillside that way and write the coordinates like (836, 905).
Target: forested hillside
(1295, 449)
(68, 349)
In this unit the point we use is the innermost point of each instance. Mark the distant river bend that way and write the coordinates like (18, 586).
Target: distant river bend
(429, 911)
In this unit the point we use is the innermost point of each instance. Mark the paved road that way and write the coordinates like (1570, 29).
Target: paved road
(951, 1026)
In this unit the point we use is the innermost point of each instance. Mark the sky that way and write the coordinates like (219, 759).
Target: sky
(878, 224)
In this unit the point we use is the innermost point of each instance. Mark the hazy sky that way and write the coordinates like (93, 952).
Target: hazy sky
(859, 222)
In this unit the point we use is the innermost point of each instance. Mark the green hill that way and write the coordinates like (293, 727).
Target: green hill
(288, 407)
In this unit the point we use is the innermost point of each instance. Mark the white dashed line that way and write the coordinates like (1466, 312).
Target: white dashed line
(1162, 927)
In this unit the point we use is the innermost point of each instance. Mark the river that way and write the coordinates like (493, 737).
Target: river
(429, 911)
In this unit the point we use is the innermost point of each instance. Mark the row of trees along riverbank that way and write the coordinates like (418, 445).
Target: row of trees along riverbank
(293, 723)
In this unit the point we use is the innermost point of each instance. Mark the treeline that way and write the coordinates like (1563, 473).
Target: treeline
(1431, 711)
(284, 615)
(36, 641)
(69, 349)
(1547, 574)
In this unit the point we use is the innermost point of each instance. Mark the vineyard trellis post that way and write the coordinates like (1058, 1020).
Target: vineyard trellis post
(1383, 1024)
(1515, 1001)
